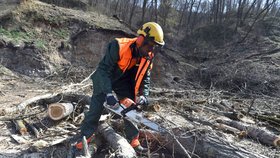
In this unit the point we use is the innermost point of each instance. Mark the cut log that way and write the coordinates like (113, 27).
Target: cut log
(20, 127)
(118, 143)
(57, 111)
(256, 133)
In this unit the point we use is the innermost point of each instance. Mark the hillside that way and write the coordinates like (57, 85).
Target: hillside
(196, 81)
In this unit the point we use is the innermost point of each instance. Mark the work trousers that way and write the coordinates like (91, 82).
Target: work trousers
(124, 89)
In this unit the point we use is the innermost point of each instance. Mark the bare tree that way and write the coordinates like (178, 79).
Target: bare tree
(195, 14)
(132, 11)
(143, 10)
(165, 7)
(249, 10)
(190, 13)
(184, 8)
(116, 7)
(239, 13)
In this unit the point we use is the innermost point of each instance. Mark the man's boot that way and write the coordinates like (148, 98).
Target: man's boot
(137, 146)
(141, 150)
(79, 144)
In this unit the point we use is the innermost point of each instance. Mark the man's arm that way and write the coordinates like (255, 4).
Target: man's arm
(103, 75)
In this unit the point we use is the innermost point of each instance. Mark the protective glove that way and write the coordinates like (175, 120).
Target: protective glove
(142, 100)
(111, 100)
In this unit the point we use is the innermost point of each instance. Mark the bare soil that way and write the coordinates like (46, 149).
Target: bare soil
(44, 47)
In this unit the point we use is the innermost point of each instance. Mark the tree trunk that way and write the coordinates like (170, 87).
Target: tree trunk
(190, 13)
(221, 12)
(249, 10)
(195, 14)
(116, 7)
(143, 11)
(238, 14)
(118, 143)
(132, 11)
(156, 11)
(182, 15)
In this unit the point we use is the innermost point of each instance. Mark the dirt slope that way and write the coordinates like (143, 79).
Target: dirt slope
(44, 47)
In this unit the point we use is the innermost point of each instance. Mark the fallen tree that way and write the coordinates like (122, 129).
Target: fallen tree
(254, 132)
(118, 143)
(197, 142)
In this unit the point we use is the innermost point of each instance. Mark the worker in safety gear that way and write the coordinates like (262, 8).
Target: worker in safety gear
(125, 69)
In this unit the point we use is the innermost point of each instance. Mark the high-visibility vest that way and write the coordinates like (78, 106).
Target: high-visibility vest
(125, 61)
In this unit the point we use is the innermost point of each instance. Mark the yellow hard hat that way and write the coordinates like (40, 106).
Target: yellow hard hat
(152, 30)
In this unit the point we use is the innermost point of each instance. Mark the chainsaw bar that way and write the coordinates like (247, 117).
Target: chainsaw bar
(135, 116)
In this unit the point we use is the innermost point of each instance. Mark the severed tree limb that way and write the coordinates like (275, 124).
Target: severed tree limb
(18, 117)
(231, 115)
(118, 143)
(66, 90)
(204, 143)
(20, 127)
(261, 135)
(23, 104)
(180, 148)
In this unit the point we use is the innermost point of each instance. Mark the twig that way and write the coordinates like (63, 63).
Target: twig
(87, 78)
(18, 117)
(251, 105)
(149, 154)
(194, 146)
(180, 145)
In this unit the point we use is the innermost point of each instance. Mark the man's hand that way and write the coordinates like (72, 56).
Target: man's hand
(111, 100)
(142, 100)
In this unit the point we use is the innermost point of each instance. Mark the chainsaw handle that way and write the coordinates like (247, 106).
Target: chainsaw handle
(132, 107)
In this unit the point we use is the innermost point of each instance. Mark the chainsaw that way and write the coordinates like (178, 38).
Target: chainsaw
(132, 111)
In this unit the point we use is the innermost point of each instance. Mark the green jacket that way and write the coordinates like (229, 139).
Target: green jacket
(108, 71)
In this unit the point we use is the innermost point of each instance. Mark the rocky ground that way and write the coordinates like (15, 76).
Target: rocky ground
(45, 49)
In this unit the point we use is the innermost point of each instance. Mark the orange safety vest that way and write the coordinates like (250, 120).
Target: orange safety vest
(125, 61)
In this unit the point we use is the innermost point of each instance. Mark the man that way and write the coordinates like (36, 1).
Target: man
(125, 69)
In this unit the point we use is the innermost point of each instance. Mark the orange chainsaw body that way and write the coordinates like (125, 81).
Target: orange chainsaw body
(127, 102)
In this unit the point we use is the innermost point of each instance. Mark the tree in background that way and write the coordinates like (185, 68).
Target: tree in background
(184, 16)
